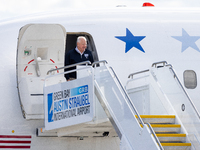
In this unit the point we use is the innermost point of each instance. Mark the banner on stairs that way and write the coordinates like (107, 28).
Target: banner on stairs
(69, 103)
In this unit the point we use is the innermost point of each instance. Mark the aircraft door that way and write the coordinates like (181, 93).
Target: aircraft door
(41, 47)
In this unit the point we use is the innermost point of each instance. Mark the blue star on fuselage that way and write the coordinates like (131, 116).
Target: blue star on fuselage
(131, 41)
(187, 41)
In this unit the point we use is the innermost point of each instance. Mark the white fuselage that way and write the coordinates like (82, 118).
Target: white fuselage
(160, 30)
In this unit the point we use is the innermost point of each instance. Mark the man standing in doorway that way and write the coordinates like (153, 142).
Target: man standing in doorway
(79, 54)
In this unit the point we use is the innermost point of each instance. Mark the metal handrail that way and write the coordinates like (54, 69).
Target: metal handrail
(154, 64)
(155, 137)
(163, 62)
(69, 66)
(175, 76)
(98, 62)
(128, 98)
(37, 67)
(132, 74)
(66, 72)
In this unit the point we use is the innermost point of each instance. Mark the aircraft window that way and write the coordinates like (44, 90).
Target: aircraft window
(190, 79)
(71, 43)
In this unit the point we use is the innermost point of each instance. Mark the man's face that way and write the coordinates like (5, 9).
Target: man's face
(82, 45)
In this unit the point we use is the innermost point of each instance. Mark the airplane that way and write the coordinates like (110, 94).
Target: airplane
(146, 68)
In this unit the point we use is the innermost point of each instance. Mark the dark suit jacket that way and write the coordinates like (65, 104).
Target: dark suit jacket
(73, 57)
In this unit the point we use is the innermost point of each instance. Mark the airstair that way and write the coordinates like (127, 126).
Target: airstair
(145, 114)
(161, 100)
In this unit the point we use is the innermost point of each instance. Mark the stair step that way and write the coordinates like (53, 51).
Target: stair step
(176, 146)
(171, 137)
(167, 131)
(158, 118)
(166, 128)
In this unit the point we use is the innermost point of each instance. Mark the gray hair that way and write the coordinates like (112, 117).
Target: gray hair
(79, 38)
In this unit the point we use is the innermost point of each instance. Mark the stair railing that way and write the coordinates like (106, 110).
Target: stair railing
(176, 77)
(129, 100)
(69, 66)
(154, 135)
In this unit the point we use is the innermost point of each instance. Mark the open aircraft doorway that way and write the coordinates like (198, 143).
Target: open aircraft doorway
(71, 43)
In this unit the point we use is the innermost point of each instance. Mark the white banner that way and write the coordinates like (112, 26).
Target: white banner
(69, 103)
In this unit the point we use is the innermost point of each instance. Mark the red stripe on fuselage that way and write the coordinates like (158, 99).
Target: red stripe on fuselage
(16, 142)
(15, 136)
(15, 147)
